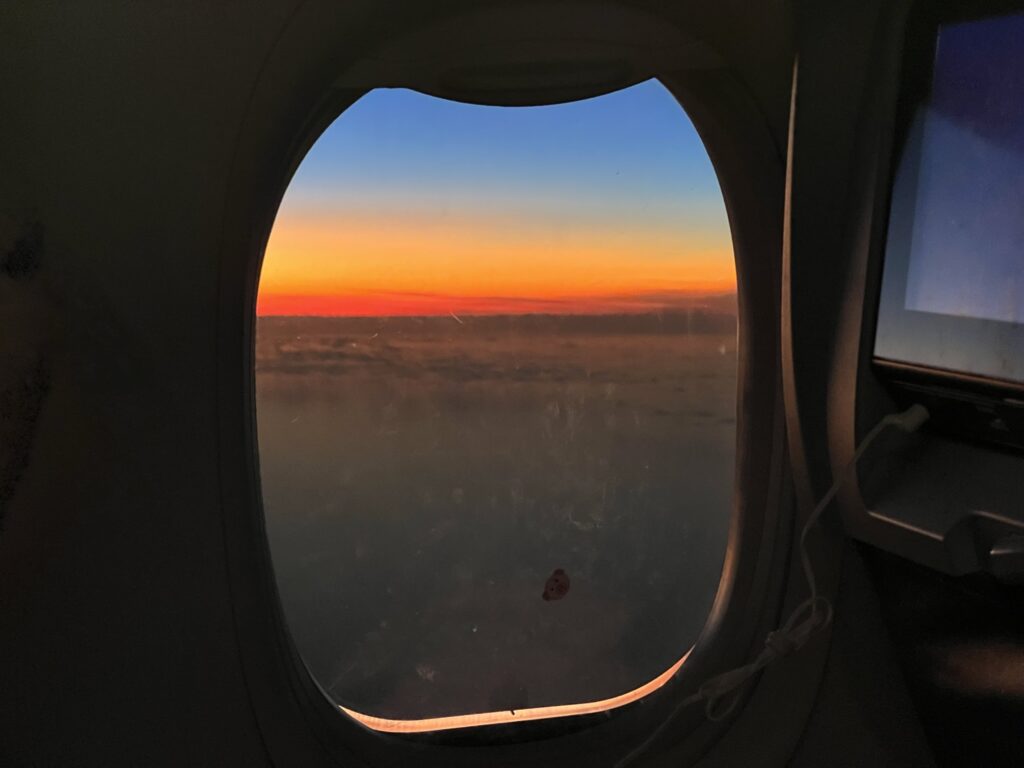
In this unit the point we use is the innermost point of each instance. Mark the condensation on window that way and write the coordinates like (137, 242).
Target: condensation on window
(496, 387)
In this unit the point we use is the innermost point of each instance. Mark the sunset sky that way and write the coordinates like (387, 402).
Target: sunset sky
(411, 205)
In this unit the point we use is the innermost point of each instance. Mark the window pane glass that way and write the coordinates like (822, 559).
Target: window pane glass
(496, 376)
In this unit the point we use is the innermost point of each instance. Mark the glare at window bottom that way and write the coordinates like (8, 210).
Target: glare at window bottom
(512, 715)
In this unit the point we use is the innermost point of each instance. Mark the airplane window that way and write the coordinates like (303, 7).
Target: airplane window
(496, 385)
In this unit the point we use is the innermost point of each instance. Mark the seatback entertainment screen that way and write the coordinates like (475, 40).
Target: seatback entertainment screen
(953, 282)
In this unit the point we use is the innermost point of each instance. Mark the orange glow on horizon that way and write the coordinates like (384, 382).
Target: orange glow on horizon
(412, 305)
(370, 266)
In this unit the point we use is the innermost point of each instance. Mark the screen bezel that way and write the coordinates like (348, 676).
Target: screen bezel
(906, 341)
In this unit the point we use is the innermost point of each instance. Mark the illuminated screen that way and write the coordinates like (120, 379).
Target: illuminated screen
(967, 242)
(952, 296)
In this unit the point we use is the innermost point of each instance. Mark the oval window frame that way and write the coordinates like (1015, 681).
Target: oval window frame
(295, 98)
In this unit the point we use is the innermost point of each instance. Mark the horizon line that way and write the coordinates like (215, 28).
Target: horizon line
(477, 315)
(401, 304)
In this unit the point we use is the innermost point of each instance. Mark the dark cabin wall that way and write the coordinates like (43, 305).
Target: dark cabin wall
(863, 715)
(116, 628)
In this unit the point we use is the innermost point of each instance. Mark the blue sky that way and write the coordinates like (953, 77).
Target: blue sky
(625, 168)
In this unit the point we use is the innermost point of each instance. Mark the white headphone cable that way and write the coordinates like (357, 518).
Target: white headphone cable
(810, 616)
